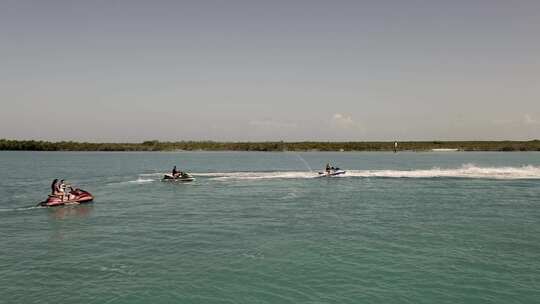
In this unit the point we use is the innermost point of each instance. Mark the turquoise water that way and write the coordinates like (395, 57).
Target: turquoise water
(259, 228)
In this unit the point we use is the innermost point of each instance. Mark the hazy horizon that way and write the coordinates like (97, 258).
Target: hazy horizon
(130, 71)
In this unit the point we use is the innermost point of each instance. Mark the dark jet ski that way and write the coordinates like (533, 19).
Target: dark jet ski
(332, 173)
(181, 177)
(75, 197)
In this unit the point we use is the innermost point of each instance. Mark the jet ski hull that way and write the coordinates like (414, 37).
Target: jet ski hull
(183, 179)
(81, 197)
(332, 173)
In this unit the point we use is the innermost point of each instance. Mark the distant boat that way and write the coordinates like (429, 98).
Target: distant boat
(444, 150)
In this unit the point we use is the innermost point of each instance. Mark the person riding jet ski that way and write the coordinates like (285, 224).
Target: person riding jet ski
(178, 176)
(331, 171)
(175, 172)
(62, 189)
(54, 186)
(58, 188)
(331, 168)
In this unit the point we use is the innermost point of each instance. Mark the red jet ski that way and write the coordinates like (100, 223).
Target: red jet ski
(75, 197)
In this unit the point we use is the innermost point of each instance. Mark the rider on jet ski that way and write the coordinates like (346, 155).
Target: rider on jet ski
(54, 186)
(59, 189)
(176, 173)
(330, 168)
(178, 176)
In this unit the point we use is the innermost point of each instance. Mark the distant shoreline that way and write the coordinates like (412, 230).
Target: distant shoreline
(280, 146)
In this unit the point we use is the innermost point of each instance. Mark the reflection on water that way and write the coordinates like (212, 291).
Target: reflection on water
(75, 211)
(65, 220)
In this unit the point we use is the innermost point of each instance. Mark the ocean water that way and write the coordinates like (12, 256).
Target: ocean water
(261, 228)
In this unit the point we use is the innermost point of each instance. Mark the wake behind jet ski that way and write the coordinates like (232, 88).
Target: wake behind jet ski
(60, 196)
(331, 171)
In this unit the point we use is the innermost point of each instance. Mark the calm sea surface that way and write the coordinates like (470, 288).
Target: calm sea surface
(259, 228)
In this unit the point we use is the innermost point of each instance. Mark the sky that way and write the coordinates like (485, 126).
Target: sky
(128, 71)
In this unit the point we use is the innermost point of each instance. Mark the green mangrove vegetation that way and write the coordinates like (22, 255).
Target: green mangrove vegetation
(154, 145)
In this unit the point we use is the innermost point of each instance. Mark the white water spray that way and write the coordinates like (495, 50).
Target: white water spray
(465, 171)
(304, 161)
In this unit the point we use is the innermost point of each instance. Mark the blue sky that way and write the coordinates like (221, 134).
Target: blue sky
(269, 70)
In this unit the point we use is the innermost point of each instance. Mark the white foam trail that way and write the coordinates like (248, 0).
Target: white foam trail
(465, 171)
(266, 175)
(152, 174)
(142, 180)
(137, 181)
(20, 208)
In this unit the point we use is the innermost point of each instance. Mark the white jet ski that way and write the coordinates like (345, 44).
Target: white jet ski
(182, 177)
(331, 173)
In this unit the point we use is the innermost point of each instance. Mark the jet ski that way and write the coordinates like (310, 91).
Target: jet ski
(75, 197)
(182, 177)
(332, 173)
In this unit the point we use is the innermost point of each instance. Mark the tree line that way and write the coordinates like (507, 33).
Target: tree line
(154, 145)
